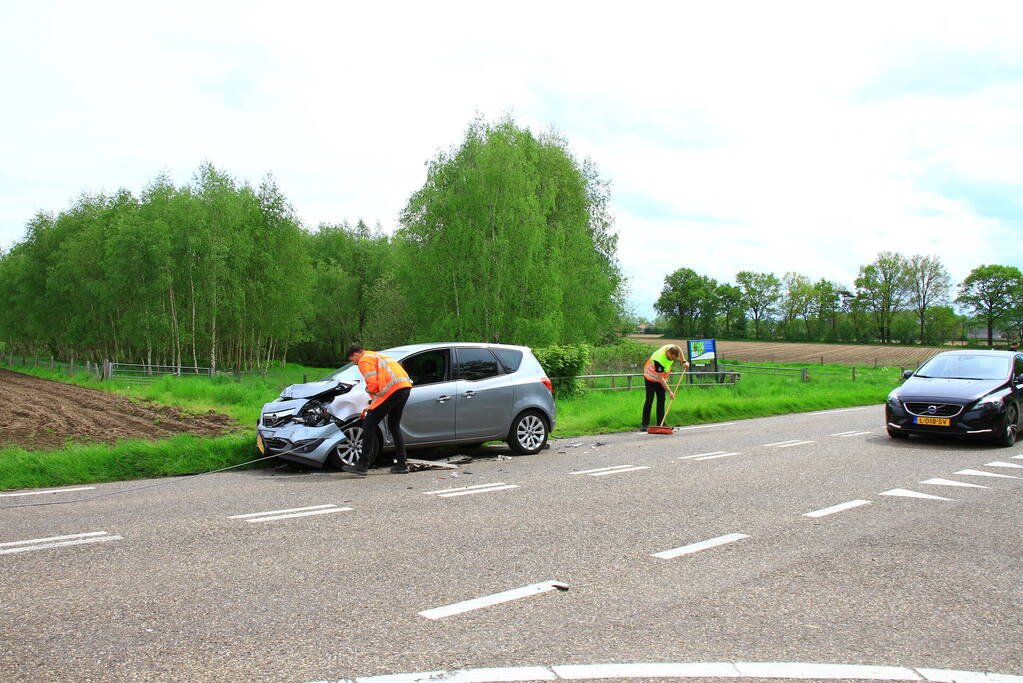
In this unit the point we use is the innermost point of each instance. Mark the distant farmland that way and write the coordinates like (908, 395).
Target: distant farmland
(839, 354)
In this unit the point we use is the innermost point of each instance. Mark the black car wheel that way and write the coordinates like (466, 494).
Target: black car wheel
(528, 433)
(896, 434)
(347, 452)
(1010, 428)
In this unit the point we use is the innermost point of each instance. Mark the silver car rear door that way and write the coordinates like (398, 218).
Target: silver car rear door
(484, 395)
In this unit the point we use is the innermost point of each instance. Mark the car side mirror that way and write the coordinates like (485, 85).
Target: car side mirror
(906, 374)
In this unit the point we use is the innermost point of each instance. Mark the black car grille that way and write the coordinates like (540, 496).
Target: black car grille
(270, 421)
(275, 444)
(934, 409)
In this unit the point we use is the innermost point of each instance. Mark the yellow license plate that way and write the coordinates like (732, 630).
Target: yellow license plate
(934, 421)
(259, 443)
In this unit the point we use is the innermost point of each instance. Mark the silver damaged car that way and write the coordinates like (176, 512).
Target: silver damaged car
(462, 393)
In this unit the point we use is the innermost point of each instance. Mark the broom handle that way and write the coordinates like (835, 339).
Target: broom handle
(675, 393)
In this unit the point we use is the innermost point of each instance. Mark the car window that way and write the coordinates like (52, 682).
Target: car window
(427, 368)
(965, 366)
(1019, 366)
(476, 364)
(349, 372)
(510, 358)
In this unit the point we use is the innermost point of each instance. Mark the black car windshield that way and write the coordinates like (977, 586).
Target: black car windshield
(965, 366)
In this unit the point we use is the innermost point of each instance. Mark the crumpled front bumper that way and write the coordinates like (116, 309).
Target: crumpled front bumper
(300, 443)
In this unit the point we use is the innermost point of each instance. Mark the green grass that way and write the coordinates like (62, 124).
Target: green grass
(598, 412)
(593, 412)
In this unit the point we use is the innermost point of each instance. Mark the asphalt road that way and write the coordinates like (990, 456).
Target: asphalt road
(694, 547)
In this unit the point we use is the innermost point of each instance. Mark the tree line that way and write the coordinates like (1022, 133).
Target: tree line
(509, 240)
(895, 298)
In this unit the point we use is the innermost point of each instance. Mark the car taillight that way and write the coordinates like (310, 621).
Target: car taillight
(547, 383)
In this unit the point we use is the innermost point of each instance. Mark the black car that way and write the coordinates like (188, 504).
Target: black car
(960, 393)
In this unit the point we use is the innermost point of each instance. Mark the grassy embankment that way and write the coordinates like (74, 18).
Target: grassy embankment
(594, 412)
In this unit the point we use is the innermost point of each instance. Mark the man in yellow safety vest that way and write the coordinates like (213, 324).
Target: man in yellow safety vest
(389, 387)
(655, 377)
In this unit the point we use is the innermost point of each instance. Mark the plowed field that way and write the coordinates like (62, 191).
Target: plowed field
(840, 354)
(38, 413)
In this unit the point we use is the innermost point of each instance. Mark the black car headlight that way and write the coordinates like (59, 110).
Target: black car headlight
(989, 403)
(893, 400)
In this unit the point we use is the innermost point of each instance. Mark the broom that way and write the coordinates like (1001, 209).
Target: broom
(661, 429)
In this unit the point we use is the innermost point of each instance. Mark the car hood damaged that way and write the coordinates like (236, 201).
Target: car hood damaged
(319, 390)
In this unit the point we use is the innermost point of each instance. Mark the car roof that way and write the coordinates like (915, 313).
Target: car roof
(409, 349)
(977, 352)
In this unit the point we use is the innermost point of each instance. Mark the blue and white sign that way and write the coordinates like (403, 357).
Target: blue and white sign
(701, 350)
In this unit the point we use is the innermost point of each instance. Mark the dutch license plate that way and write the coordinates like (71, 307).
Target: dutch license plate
(934, 421)
(259, 443)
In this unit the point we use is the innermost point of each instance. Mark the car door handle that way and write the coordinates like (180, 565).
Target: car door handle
(469, 394)
(442, 399)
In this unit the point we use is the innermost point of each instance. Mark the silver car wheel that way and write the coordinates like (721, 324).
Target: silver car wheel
(349, 450)
(531, 432)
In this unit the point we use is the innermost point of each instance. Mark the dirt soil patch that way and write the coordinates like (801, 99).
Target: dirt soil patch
(38, 413)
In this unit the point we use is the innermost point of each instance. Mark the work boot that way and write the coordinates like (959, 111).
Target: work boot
(643, 428)
(354, 469)
(399, 468)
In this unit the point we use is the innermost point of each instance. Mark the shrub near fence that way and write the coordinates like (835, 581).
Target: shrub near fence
(563, 364)
(71, 368)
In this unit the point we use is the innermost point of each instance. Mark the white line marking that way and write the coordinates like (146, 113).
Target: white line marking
(631, 469)
(697, 547)
(281, 512)
(1017, 457)
(981, 473)
(779, 443)
(998, 463)
(651, 670)
(463, 488)
(848, 436)
(825, 671)
(849, 433)
(719, 455)
(761, 670)
(719, 424)
(328, 511)
(906, 493)
(699, 455)
(488, 600)
(487, 490)
(797, 443)
(37, 493)
(602, 469)
(937, 481)
(838, 410)
(52, 538)
(81, 541)
(836, 508)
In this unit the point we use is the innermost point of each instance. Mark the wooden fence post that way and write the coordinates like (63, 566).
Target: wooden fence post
(804, 374)
(854, 373)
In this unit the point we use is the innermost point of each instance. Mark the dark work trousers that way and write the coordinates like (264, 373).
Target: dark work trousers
(653, 389)
(392, 407)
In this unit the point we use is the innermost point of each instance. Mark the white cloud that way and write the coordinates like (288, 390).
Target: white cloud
(752, 115)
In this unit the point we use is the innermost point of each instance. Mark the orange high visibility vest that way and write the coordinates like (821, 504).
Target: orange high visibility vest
(383, 376)
(660, 355)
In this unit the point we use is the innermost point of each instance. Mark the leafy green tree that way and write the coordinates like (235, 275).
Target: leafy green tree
(510, 240)
(761, 293)
(883, 288)
(689, 300)
(990, 292)
(929, 284)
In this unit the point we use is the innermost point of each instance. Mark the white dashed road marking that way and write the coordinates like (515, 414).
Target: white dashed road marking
(470, 490)
(787, 444)
(495, 599)
(717, 424)
(716, 456)
(998, 463)
(981, 473)
(906, 493)
(290, 513)
(55, 542)
(37, 493)
(823, 512)
(950, 482)
(839, 410)
(642, 670)
(697, 547)
(846, 435)
(700, 455)
(616, 469)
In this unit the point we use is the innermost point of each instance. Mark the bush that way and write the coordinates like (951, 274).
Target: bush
(628, 355)
(563, 364)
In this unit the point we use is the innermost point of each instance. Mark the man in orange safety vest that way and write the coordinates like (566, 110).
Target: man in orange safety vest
(389, 387)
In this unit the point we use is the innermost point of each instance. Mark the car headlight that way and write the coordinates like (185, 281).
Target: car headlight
(893, 398)
(306, 445)
(990, 401)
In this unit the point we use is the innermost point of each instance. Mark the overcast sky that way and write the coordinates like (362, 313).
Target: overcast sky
(744, 136)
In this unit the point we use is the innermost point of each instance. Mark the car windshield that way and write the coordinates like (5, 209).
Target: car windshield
(965, 366)
(349, 372)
